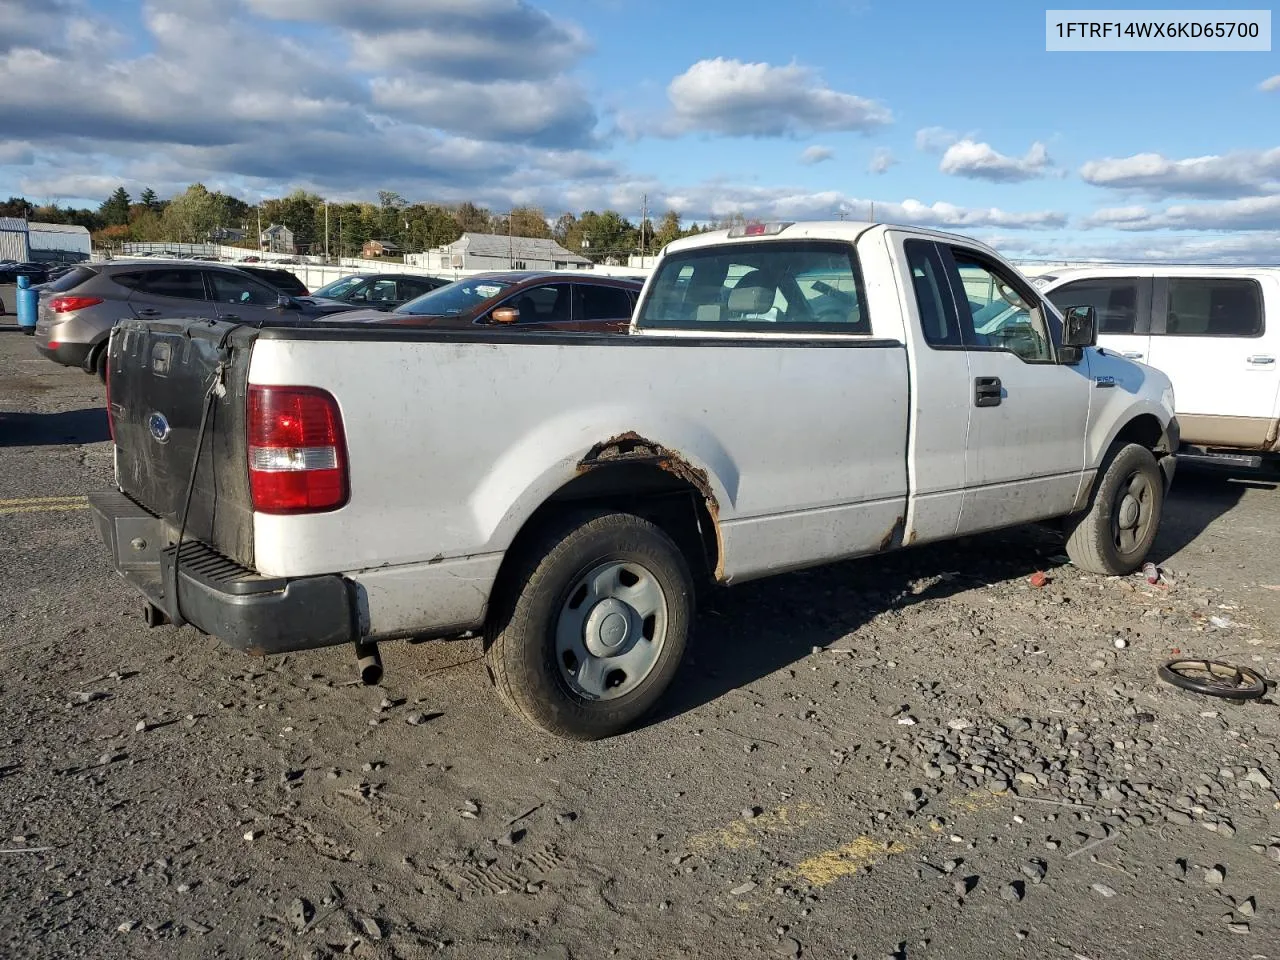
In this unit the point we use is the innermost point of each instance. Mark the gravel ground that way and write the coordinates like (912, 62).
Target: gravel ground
(914, 756)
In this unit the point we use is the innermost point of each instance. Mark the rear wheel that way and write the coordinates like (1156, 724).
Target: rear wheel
(98, 362)
(590, 624)
(1115, 534)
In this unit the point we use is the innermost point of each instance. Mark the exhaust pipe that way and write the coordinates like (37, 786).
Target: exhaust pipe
(368, 663)
(153, 616)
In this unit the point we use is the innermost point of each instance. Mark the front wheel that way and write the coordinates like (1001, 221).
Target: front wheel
(590, 624)
(1115, 534)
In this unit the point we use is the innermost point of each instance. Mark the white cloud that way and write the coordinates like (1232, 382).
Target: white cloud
(1153, 174)
(881, 160)
(555, 112)
(474, 40)
(1229, 248)
(1249, 213)
(1270, 85)
(733, 98)
(980, 161)
(816, 154)
(935, 139)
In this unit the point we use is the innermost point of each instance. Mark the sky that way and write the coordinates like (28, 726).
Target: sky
(945, 115)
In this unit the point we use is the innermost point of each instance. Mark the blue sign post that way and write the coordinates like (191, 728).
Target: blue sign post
(28, 305)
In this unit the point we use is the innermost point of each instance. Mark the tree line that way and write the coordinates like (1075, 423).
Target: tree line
(198, 214)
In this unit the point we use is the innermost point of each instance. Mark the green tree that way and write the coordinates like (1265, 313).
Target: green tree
(17, 207)
(668, 229)
(529, 222)
(472, 219)
(565, 225)
(115, 209)
(607, 235)
(150, 200)
(190, 215)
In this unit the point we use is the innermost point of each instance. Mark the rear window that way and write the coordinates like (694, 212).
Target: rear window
(72, 279)
(781, 286)
(1213, 308)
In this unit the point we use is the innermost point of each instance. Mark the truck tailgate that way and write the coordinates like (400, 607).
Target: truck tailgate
(160, 374)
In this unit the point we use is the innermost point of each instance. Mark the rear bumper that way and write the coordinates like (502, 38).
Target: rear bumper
(243, 609)
(67, 354)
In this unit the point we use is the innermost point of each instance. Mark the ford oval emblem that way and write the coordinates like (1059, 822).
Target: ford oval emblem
(159, 427)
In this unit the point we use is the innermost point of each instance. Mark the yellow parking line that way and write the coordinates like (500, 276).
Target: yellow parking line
(46, 508)
(35, 501)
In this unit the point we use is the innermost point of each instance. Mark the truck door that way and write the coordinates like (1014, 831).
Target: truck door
(1029, 412)
(1210, 338)
(1122, 306)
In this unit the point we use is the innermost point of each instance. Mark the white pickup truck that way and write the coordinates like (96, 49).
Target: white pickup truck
(788, 395)
(1214, 331)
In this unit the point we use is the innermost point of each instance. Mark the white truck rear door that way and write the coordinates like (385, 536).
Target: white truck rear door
(1122, 306)
(1218, 340)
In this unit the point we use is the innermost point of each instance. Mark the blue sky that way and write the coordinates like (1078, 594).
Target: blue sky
(948, 115)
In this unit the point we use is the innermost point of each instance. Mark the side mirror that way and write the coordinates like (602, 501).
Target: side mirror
(1080, 327)
(505, 315)
(285, 302)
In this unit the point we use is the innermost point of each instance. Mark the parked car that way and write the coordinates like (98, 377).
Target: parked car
(78, 311)
(561, 492)
(522, 300)
(36, 272)
(282, 280)
(379, 291)
(1214, 331)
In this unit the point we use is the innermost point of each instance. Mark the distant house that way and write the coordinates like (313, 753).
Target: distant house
(380, 248)
(486, 251)
(277, 238)
(59, 241)
(226, 235)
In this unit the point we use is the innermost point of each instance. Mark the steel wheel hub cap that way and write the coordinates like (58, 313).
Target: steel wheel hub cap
(611, 629)
(1130, 509)
(608, 628)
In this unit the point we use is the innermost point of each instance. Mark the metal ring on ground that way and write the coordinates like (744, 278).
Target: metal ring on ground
(1214, 678)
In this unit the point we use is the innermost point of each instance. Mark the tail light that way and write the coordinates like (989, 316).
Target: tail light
(297, 451)
(68, 304)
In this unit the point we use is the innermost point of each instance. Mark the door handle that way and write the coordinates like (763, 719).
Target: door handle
(149, 312)
(1261, 360)
(987, 392)
(1131, 355)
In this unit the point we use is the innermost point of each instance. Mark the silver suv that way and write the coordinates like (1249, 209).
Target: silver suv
(78, 310)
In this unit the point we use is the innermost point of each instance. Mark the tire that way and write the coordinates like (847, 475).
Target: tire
(589, 623)
(1107, 539)
(99, 363)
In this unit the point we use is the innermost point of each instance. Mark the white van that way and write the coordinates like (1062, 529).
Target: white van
(1215, 331)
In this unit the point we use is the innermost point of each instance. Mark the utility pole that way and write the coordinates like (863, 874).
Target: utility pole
(644, 214)
(511, 244)
(259, 226)
(326, 231)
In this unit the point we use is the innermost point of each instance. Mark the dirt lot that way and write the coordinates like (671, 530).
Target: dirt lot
(918, 756)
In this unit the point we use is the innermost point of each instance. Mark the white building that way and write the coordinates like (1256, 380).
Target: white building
(14, 244)
(485, 251)
(59, 241)
(277, 238)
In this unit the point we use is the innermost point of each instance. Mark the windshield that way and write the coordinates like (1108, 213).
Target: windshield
(461, 296)
(338, 288)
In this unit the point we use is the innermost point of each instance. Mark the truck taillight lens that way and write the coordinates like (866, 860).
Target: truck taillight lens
(68, 304)
(297, 452)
